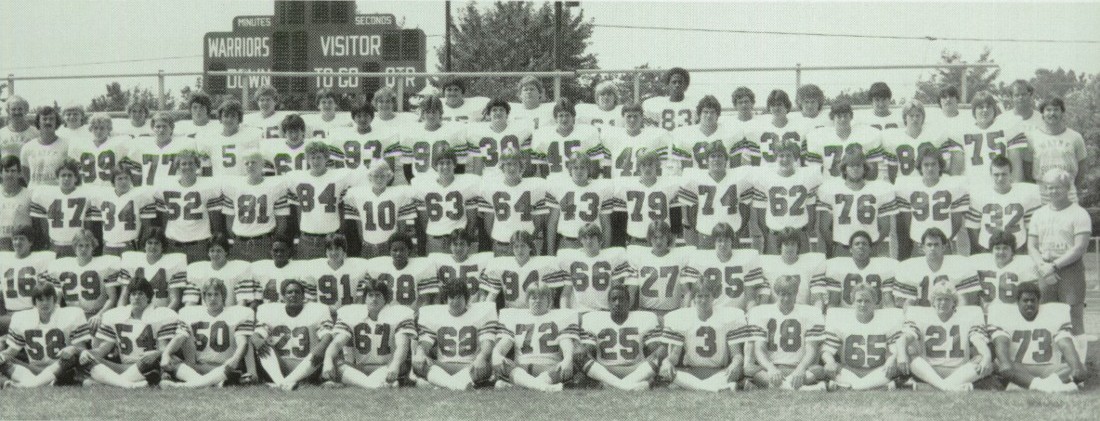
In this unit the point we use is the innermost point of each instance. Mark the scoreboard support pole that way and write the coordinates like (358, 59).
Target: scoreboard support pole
(962, 85)
(244, 97)
(797, 77)
(161, 100)
(400, 94)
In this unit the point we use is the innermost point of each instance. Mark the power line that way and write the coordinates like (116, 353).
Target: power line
(54, 66)
(842, 35)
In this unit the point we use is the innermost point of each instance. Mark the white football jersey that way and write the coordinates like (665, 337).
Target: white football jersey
(1009, 212)
(239, 285)
(505, 276)
(97, 160)
(668, 115)
(419, 145)
(85, 286)
(538, 339)
(447, 269)
(21, 276)
(224, 152)
(125, 127)
(373, 340)
(318, 198)
(270, 126)
(535, 118)
(124, 216)
(253, 208)
(707, 343)
(786, 336)
(868, 118)
(133, 337)
(336, 287)
(43, 341)
(739, 276)
(380, 215)
(293, 337)
(764, 136)
(902, 150)
(979, 147)
(471, 110)
(809, 269)
(513, 207)
(64, 213)
(318, 127)
(932, 207)
(625, 150)
(645, 204)
(861, 345)
(42, 161)
(658, 278)
(620, 344)
(447, 208)
(168, 272)
(717, 201)
(361, 149)
(915, 278)
(578, 206)
(408, 283)
(490, 144)
(1032, 342)
(842, 275)
(999, 283)
(786, 201)
(591, 114)
(216, 337)
(947, 343)
(825, 150)
(265, 273)
(283, 158)
(155, 164)
(690, 144)
(590, 276)
(856, 210)
(457, 339)
(188, 128)
(551, 148)
(186, 209)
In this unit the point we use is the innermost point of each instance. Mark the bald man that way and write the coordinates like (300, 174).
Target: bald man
(1058, 236)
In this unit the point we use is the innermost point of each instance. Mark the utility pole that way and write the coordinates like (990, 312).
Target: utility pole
(447, 64)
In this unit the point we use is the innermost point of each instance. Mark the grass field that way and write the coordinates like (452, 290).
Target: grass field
(421, 403)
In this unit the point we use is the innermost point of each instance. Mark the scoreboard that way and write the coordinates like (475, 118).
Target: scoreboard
(322, 36)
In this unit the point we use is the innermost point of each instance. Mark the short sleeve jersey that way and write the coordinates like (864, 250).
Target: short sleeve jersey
(336, 287)
(668, 115)
(225, 152)
(825, 149)
(932, 207)
(590, 276)
(420, 145)
(97, 160)
(999, 283)
(408, 283)
(505, 276)
(133, 337)
(901, 150)
(21, 276)
(856, 210)
(457, 339)
(690, 144)
(318, 198)
(447, 208)
(42, 161)
(739, 276)
(253, 208)
(1057, 229)
(809, 270)
(659, 279)
(786, 336)
(123, 216)
(373, 340)
(947, 343)
(167, 272)
(448, 269)
(625, 150)
(85, 286)
(265, 273)
(620, 344)
(717, 201)
(645, 204)
(861, 345)
(43, 341)
(553, 149)
(538, 339)
(155, 164)
(786, 201)
(490, 144)
(186, 209)
(842, 276)
(380, 215)
(361, 149)
(915, 278)
(513, 208)
(1032, 342)
(764, 137)
(291, 338)
(235, 274)
(1009, 212)
(216, 337)
(64, 213)
(707, 343)
(578, 206)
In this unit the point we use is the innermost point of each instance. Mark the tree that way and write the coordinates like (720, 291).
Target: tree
(517, 36)
(977, 79)
(1083, 115)
(116, 99)
(857, 97)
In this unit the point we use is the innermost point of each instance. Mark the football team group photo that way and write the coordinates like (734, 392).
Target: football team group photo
(588, 234)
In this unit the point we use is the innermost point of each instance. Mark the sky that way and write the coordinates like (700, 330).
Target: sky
(95, 37)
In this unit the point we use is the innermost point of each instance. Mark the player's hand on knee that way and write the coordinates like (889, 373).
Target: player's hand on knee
(328, 371)
(392, 375)
(798, 378)
(565, 369)
(775, 378)
(831, 368)
(86, 357)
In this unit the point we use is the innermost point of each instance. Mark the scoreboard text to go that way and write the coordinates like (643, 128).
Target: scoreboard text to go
(337, 81)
